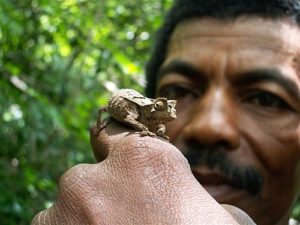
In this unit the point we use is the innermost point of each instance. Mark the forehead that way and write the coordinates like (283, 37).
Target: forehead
(280, 38)
(283, 33)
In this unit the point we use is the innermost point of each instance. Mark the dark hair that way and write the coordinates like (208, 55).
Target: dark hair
(220, 9)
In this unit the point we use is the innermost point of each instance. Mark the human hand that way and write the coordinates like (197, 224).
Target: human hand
(141, 180)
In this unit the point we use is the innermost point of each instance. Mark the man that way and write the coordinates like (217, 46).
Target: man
(234, 68)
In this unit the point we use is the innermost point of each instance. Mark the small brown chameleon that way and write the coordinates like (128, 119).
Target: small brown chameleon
(143, 114)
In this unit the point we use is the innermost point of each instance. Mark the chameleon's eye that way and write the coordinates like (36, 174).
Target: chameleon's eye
(160, 106)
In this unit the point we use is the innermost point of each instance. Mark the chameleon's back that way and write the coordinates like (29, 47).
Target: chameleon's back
(135, 97)
(122, 104)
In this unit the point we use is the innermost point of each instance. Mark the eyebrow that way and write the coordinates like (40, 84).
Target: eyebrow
(245, 79)
(268, 75)
(180, 67)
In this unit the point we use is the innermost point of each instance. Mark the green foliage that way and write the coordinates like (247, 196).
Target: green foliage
(58, 61)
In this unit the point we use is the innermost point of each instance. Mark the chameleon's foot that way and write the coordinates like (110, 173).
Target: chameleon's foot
(101, 125)
(100, 128)
(165, 137)
(161, 132)
(147, 133)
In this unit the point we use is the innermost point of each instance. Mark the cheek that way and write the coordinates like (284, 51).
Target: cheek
(277, 143)
(274, 144)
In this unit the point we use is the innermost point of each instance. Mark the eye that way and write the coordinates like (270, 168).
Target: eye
(175, 91)
(267, 100)
(160, 106)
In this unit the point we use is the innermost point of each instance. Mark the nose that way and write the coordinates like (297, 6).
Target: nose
(213, 122)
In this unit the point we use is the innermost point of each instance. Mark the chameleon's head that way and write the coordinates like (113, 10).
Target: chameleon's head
(164, 109)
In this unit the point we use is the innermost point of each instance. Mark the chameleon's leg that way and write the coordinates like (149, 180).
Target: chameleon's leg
(100, 124)
(131, 120)
(147, 133)
(161, 129)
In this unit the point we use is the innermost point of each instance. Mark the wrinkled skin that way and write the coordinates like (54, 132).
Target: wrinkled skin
(232, 106)
(143, 180)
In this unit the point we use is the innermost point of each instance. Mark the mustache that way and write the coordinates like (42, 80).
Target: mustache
(240, 176)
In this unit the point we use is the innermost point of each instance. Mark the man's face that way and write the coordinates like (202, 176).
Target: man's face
(237, 85)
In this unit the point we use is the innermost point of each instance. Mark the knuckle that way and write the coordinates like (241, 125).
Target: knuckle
(39, 219)
(148, 152)
(76, 182)
(73, 175)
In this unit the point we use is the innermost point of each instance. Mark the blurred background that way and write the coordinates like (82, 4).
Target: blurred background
(59, 61)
